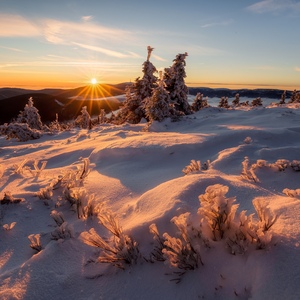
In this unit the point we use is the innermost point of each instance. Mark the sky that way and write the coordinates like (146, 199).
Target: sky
(66, 43)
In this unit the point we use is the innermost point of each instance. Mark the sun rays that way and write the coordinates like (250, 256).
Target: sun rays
(95, 96)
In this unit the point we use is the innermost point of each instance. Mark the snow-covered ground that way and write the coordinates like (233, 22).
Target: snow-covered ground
(138, 173)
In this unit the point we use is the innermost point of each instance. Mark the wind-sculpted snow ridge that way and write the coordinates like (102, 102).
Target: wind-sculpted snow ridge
(215, 233)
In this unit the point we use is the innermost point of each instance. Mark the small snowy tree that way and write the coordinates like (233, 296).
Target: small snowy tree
(31, 116)
(175, 85)
(199, 102)
(157, 107)
(223, 102)
(295, 97)
(236, 100)
(133, 107)
(283, 97)
(257, 102)
(84, 120)
(20, 131)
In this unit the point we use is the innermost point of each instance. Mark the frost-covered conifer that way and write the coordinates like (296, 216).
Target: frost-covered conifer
(283, 97)
(133, 107)
(84, 120)
(21, 131)
(257, 102)
(157, 107)
(31, 116)
(175, 85)
(236, 100)
(293, 96)
(223, 102)
(199, 102)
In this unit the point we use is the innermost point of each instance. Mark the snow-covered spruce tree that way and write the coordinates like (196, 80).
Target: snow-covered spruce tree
(199, 102)
(223, 102)
(295, 97)
(157, 107)
(236, 101)
(31, 116)
(20, 131)
(84, 120)
(133, 109)
(175, 85)
(283, 97)
(257, 102)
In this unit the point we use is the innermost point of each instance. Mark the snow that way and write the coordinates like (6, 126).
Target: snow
(138, 173)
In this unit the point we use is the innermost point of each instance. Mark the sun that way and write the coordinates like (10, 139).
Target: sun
(93, 81)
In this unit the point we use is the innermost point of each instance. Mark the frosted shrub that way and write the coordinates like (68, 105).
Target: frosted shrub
(9, 199)
(194, 166)
(45, 193)
(292, 193)
(73, 178)
(35, 242)
(63, 232)
(218, 221)
(82, 202)
(183, 252)
(248, 171)
(248, 140)
(280, 164)
(119, 251)
(295, 165)
(9, 226)
(267, 218)
(20, 168)
(217, 212)
(20, 131)
(38, 170)
(157, 253)
(58, 217)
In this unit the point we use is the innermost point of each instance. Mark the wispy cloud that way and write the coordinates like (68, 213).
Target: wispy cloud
(61, 32)
(213, 24)
(102, 50)
(274, 6)
(17, 26)
(11, 49)
(297, 69)
(65, 32)
(86, 18)
(158, 57)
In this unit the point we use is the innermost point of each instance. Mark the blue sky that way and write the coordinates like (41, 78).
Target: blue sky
(230, 43)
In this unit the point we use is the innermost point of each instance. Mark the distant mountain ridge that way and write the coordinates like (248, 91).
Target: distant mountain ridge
(230, 93)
